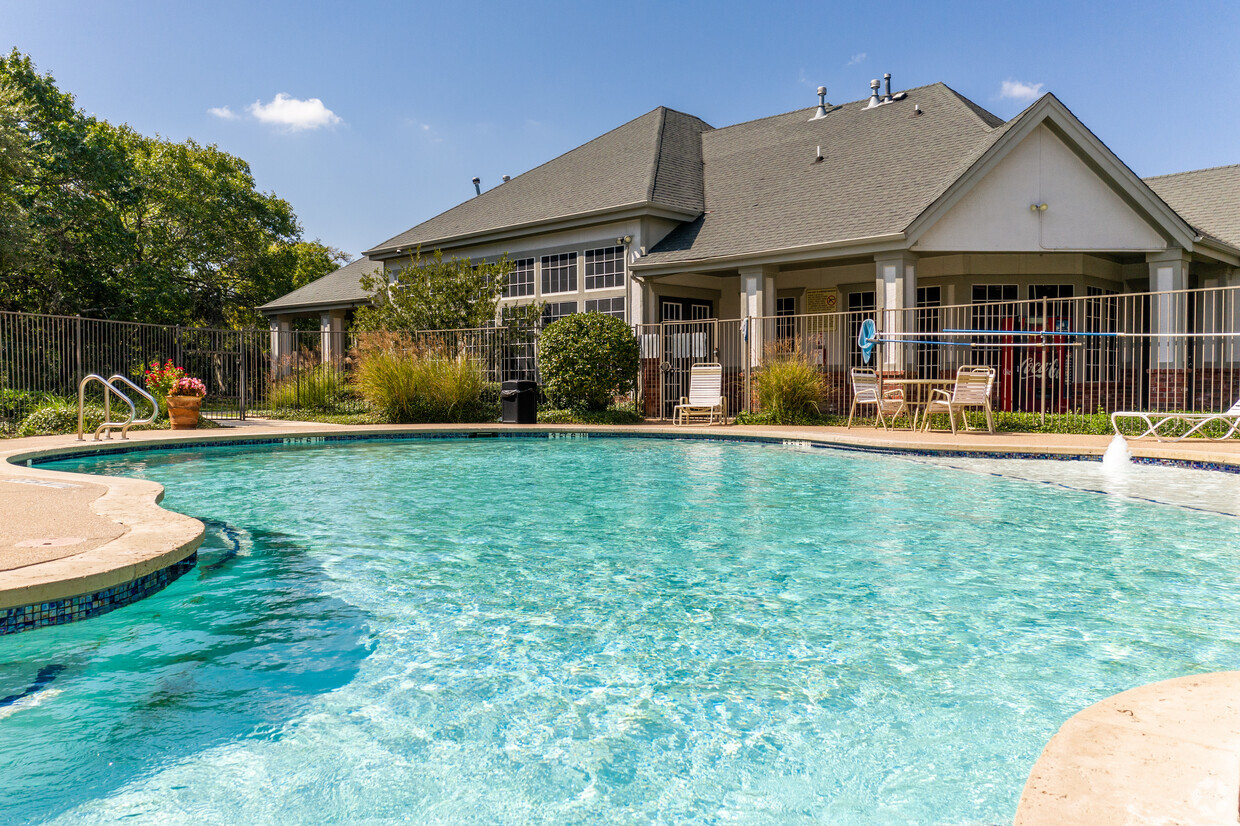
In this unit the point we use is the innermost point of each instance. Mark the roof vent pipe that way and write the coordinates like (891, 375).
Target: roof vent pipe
(874, 100)
(887, 86)
(822, 103)
(477, 185)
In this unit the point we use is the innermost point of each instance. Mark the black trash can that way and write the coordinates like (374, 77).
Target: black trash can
(519, 399)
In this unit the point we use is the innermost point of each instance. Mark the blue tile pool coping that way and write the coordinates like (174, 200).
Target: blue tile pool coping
(84, 606)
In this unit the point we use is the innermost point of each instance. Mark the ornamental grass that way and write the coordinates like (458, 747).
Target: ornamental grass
(410, 382)
(788, 388)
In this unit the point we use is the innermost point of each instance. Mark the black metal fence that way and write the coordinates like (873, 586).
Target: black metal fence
(246, 372)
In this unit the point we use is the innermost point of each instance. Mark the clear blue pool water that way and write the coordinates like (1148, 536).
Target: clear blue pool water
(605, 631)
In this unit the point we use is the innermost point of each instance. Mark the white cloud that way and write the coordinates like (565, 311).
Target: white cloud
(857, 58)
(1015, 90)
(294, 114)
(223, 113)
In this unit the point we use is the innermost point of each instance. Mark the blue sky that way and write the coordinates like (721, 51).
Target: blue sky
(389, 109)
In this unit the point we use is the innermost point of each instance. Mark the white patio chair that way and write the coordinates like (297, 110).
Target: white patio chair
(973, 386)
(705, 396)
(866, 390)
(1155, 422)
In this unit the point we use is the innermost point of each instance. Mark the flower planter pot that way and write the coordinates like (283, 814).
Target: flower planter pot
(183, 411)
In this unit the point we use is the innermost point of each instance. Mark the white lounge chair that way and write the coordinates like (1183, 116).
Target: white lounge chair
(705, 396)
(973, 386)
(1155, 422)
(866, 390)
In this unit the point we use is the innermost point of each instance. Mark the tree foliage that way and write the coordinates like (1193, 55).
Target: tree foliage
(102, 221)
(438, 293)
(586, 360)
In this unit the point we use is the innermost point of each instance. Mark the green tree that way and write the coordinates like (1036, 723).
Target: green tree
(102, 221)
(72, 177)
(438, 293)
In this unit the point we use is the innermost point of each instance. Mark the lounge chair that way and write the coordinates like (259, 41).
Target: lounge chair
(1154, 422)
(973, 386)
(705, 396)
(866, 390)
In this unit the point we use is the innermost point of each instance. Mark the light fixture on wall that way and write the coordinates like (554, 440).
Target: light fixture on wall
(625, 241)
(1037, 207)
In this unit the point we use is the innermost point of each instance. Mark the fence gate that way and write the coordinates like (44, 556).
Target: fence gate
(682, 345)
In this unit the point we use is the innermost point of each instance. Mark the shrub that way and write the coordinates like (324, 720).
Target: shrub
(316, 388)
(407, 384)
(788, 388)
(16, 404)
(615, 416)
(59, 417)
(587, 359)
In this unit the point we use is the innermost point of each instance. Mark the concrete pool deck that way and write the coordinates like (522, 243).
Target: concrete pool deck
(1163, 753)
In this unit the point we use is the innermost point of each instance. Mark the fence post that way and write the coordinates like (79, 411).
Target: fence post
(77, 346)
(241, 376)
(746, 337)
(1045, 320)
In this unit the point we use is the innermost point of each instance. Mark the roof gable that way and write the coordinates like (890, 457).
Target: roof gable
(1048, 111)
(652, 160)
(1082, 211)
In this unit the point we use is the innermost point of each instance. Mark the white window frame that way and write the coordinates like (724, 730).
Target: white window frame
(619, 251)
(533, 283)
(609, 311)
(542, 274)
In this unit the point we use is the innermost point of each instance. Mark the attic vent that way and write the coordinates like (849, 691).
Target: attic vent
(822, 104)
(887, 97)
(477, 186)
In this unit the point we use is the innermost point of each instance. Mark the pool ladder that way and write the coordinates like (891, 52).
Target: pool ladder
(109, 390)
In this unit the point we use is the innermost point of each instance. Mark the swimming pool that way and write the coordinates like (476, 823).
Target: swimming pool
(605, 630)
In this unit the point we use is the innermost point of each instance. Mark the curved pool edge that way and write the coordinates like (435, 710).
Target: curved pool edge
(1166, 752)
(158, 543)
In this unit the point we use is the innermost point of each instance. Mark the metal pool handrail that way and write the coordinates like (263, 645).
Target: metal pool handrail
(108, 390)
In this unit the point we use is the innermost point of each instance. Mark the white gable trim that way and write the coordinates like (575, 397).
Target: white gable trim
(1110, 169)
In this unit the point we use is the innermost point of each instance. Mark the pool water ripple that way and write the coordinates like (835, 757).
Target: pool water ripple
(613, 631)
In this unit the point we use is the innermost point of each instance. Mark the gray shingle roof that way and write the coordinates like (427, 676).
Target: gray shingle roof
(882, 168)
(340, 287)
(654, 158)
(1208, 199)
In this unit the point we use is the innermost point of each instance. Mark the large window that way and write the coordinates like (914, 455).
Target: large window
(556, 311)
(1100, 317)
(860, 307)
(606, 306)
(559, 274)
(785, 307)
(928, 323)
(604, 268)
(521, 279)
(990, 313)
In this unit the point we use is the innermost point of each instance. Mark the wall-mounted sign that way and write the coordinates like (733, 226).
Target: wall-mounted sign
(818, 302)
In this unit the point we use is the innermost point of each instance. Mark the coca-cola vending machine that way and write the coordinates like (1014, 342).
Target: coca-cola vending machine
(1053, 360)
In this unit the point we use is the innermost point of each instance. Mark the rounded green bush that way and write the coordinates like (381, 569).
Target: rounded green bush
(586, 360)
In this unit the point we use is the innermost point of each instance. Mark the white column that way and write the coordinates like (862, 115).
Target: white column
(1168, 322)
(281, 343)
(1168, 313)
(895, 291)
(757, 302)
(331, 335)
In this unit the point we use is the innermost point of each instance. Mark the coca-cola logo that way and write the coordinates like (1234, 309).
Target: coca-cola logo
(1032, 367)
